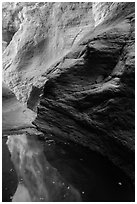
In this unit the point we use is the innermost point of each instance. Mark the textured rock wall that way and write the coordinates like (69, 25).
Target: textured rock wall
(80, 56)
(89, 97)
(50, 31)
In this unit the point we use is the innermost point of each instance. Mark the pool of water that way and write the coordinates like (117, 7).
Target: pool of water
(93, 176)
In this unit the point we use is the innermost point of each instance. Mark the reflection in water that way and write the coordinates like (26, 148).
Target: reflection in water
(9, 177)
(55, 171)
(44, 183)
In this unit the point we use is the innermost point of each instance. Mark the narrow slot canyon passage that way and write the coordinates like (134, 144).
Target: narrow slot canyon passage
(68, 102)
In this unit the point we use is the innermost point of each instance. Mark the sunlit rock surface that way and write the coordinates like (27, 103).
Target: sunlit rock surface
(46, 34)
(73, 64)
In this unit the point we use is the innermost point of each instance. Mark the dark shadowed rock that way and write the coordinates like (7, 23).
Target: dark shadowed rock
(89, 96)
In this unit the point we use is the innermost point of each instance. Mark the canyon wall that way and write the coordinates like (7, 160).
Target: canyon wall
(73, 63)
(46, 33)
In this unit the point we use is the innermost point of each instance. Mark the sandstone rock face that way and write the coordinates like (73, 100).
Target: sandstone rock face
(12, 17)
(79, 60)
(45, 35)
